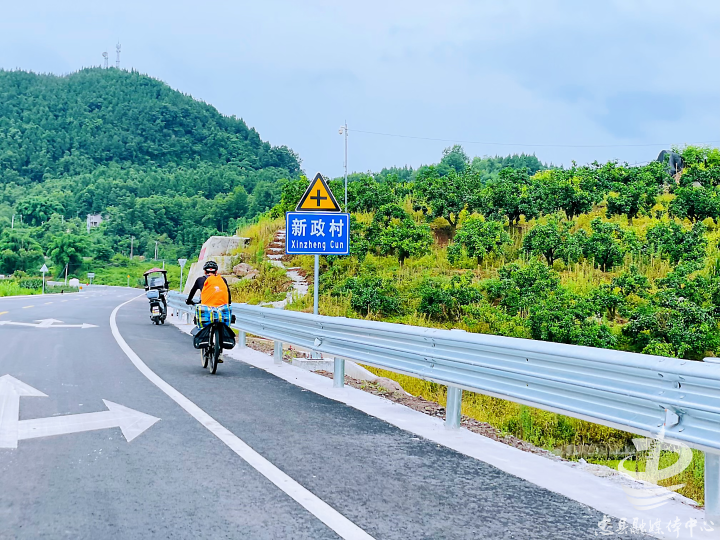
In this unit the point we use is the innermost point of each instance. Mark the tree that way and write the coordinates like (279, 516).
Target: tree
(405, 239)
(370, 295)
(67, 249)
(511, 195)
(36, 210)
(695, 203)
(367, 195)
(478, 238)
(604, 246)
(632, 199)
(562, 190)
(673, 242)
(454, 160)
(549, 240)
(569, 318)
(445, 300)
(447, 196)
(518, 287)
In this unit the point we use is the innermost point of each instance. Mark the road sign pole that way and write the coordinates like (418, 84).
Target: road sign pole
(43, 289)
(317, 284)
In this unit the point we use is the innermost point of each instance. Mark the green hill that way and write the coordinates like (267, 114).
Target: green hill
(158, 164)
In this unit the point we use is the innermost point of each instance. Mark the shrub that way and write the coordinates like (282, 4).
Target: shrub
(444, 301)
(478, 238)
(569, 318)
(518, 287)
(675, 243)
(31, 283)
(371, 295)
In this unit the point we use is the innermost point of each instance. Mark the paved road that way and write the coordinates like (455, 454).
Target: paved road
(178, 480)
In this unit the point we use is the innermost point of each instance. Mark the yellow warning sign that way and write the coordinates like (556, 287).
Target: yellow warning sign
(318, 198)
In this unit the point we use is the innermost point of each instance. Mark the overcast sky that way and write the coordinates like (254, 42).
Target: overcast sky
(520, 74)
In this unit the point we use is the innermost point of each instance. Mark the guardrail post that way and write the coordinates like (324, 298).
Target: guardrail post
(339, 373)
(452, 408)
(712, 489)
(277, 356)
(241, 338)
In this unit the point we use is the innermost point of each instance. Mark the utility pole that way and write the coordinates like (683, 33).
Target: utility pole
(344, 131)
(12, 223)
(132, 238)
(66, 270)
(156, 249)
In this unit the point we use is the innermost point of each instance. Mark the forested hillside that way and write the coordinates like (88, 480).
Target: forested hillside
(157, 164)
(607, 255)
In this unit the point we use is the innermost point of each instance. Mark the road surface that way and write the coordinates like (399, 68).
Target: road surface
(79, 477)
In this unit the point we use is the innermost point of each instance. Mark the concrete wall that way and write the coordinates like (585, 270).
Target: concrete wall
(220, 249)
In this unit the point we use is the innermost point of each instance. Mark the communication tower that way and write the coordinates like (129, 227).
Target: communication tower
(105, 56)
(117, 57)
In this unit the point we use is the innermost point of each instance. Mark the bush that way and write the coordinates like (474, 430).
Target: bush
(31, 283)
(568, 318)
(371, 295)
(478, 238)
(518, 287)
(444, 301)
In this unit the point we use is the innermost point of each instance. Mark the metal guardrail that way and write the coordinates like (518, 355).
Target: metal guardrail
(638, 393)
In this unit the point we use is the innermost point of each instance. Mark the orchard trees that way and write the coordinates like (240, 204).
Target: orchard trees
(447, 196)
(478, 238)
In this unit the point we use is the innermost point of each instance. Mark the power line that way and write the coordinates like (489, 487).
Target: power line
(521, 144)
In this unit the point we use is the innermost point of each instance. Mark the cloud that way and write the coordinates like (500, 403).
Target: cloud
(631, 114)
(519, 71)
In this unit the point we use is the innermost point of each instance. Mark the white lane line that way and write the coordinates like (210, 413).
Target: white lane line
(312, 503)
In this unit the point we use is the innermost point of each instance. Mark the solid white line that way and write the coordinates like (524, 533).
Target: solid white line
(312, 503)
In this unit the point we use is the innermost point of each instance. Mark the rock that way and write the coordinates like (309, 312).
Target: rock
(243, 269)
(389, 384)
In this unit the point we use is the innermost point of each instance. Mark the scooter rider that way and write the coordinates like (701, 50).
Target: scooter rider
(214, 290)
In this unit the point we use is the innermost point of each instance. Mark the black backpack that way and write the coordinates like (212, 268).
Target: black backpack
(228, 337)
(201, 337)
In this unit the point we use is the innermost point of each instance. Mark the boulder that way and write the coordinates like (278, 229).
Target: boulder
(242, 269)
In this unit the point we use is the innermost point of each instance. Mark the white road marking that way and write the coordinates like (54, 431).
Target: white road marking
(312, 503)
(11, 390)
(131, 422)
(49, 323)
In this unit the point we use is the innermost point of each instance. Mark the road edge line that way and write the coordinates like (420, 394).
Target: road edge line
(312, 503)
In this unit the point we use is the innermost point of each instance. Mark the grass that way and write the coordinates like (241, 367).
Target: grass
(270, 285)
(117, 274)
(12, 288)
(693, 476)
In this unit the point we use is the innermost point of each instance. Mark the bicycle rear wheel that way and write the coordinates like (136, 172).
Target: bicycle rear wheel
(215, 348)
(204, 354)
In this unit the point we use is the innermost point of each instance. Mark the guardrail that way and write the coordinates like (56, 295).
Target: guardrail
(642, 394)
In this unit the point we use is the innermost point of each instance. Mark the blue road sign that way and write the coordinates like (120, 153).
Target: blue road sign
(317, 233)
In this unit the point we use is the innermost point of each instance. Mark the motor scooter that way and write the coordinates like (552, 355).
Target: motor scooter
(156, 287)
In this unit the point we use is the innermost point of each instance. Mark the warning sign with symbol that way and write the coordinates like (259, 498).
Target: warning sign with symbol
(318, 198)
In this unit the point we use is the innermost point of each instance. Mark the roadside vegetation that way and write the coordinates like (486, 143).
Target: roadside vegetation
(604, 255)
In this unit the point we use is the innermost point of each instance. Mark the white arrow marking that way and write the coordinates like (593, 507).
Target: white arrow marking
(131, 422)
(11, 390)
(45, 323)
(49, 323)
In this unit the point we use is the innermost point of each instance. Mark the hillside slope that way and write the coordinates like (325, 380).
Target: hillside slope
(156, 163)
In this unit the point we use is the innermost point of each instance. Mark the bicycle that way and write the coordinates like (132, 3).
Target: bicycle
(210, 354)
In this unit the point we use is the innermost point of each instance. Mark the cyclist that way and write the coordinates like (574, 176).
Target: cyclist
(214, 290)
